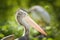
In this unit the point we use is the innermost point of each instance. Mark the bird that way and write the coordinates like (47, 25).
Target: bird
(22, 17)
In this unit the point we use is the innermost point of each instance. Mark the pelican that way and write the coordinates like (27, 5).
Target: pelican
(24, 19)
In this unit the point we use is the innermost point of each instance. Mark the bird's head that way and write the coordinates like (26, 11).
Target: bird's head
(21, 13)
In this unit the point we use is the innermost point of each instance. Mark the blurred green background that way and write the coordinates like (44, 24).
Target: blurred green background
(8, 24)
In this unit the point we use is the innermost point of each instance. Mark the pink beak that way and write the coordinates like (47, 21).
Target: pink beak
(35, 25)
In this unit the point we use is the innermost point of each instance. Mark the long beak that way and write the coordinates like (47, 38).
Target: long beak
(35, 25)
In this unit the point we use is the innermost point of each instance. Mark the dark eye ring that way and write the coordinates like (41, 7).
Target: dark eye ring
(19, 13)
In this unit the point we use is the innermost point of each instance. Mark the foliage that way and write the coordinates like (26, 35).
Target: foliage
(8, 24)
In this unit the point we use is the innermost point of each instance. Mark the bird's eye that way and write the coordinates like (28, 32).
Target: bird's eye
(19, 13)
